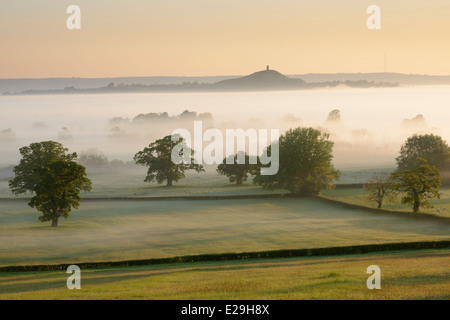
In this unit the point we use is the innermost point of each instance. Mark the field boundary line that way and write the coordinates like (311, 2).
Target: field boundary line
(384, 211)
(205, 197)
(218, 197)
(288, 253)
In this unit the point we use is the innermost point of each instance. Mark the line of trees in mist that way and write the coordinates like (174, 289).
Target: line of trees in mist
(119, 137)
(96, 161)
(56, 178)
(118, 126)
(163, 116)
(305, 163)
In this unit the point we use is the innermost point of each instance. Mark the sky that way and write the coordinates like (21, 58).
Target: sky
(221, 37)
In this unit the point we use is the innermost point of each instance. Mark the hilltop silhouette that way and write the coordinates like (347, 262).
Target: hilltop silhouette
(261, 80)
(265, 80)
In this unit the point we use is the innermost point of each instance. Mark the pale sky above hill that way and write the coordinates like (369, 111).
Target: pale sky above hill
(218, 37)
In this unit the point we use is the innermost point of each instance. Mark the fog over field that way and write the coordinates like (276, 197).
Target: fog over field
(119, 230)
(372, 126)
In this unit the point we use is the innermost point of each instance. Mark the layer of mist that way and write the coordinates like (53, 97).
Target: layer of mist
(368, 126)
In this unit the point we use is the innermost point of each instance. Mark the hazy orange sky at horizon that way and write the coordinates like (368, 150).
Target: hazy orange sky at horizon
(206, 38)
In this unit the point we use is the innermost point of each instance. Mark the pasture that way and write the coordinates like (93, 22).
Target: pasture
(420, 274)
(129, 184)
(106, 230)
(119, 220)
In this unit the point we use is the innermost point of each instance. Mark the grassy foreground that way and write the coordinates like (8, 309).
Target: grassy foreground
(404, 275)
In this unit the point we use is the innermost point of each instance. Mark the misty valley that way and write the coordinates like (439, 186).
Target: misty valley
(373, 122)
(224, 150)
(129, 215)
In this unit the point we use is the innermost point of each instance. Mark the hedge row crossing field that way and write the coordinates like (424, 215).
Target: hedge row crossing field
(420, 274)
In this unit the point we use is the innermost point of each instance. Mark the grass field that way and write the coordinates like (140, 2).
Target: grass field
(404, 275)
(356, 196)
(108, 229)
(130, 184)
(121, 230)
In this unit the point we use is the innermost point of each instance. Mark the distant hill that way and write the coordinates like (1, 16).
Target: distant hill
(56, 84)
(262, 80)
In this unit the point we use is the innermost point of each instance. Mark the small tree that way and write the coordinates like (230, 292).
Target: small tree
(305, 163)
(236, 171)
(53, 176)
(379, 188)
(334, 116)
(158, 158)
(418, 186)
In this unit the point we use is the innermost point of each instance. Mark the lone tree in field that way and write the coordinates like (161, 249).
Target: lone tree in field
(429, 147)
(158, 158)
(58, 192)
(379, 188)
(417, 186)
(305, 163)
(239, 170)
(54, 178)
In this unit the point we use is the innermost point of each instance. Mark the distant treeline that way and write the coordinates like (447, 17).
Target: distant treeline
(164, 116)
(19, 85)
(199, 87)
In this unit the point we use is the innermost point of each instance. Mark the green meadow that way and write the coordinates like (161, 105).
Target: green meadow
(130, 229)
(121, 220)
(420, 274)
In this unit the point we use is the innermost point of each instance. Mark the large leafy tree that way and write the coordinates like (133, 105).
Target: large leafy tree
(419, 185)
(305, 163)
(161, 167)
(36, 156)
(430, 147)
(58, 191)
(238, 170)
(53, 176)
